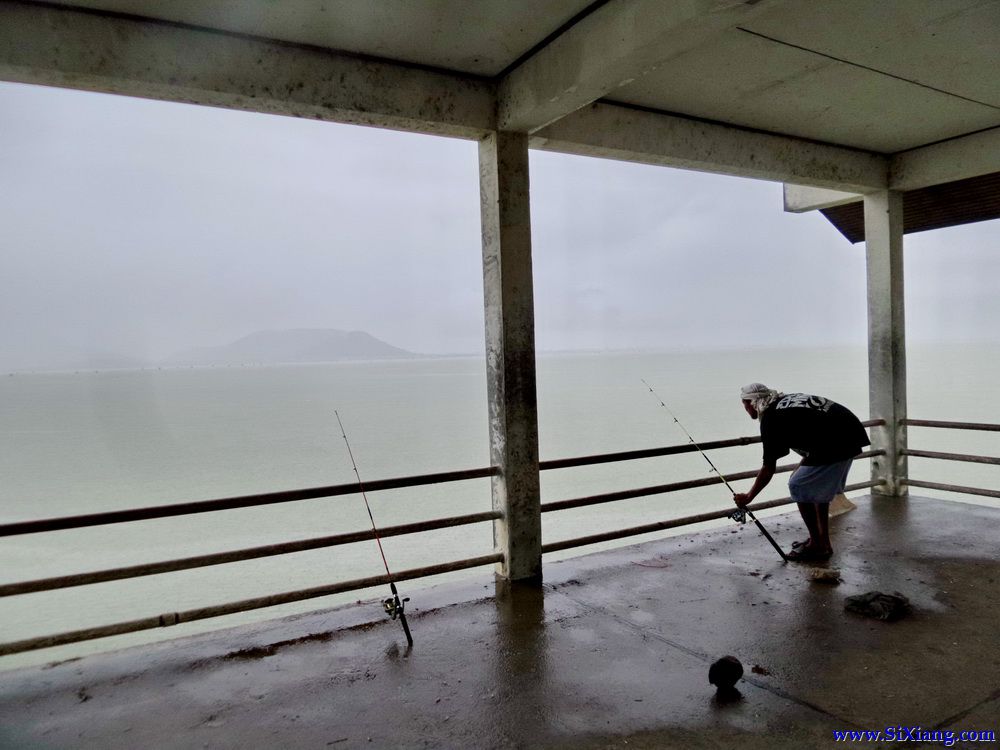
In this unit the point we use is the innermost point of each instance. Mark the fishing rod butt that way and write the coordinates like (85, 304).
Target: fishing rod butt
(406, 630)
(760, 526)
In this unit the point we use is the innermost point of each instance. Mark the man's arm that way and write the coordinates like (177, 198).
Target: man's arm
(763, 477)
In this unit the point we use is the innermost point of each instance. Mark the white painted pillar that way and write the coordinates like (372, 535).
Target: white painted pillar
(510, 353)
(886, 338)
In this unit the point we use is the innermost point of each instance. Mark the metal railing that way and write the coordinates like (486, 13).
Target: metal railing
(271, 498)
(232, 503)
(963, 457)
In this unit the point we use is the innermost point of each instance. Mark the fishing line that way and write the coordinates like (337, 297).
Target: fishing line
(740, 514)
(394, 606)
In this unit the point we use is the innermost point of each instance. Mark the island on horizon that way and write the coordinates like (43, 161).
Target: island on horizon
(270, 347)
(292, 346)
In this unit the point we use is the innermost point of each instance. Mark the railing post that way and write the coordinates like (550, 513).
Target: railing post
(510, 353)
(886, 338)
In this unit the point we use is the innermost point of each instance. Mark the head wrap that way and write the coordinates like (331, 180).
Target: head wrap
(759, 396)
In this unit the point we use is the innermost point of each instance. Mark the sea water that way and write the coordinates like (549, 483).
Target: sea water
(83, 442)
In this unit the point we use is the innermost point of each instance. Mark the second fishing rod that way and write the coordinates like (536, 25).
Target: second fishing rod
(741, 514)
(394, 606)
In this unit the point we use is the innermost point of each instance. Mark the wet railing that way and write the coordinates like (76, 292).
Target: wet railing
(963, 457)
(315, 493)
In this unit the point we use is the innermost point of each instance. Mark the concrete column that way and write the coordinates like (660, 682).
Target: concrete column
(510, 353)
(886, 337)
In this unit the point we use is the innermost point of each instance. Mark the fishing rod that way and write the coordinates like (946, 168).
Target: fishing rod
(393, 606)
(740, 514)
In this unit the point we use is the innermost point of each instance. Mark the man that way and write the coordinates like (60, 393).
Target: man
(827, 436)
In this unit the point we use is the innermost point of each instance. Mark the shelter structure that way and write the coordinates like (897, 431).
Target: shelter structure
(863, 108)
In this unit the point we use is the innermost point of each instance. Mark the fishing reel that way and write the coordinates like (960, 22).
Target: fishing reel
(739, 515)
(394, 606)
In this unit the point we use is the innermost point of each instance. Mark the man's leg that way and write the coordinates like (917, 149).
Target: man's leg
(823, 509)
(805, 509)
(821, 540)
(808, 513)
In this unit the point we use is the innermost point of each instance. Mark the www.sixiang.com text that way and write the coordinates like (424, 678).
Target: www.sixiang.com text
(947, 737)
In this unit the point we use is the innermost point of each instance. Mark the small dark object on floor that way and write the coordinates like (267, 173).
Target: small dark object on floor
(888, 607)
(758, 669)
(725, 672)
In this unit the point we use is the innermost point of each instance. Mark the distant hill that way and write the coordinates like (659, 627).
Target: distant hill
(289, 346)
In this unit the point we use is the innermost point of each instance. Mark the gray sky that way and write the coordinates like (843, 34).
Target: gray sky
(142, 228)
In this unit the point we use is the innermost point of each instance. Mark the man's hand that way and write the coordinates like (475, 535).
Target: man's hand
(741, 499)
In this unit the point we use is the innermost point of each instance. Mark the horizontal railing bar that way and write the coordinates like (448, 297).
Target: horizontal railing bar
(952, 456)
(669, 450)
(232, 503)
(219, 610)
(648, 528)
(950, 488)
(609, 497)
(952, 425)
(658, 489)
(220, 558)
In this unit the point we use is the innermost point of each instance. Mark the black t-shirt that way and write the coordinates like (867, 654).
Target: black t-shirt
(818, 429)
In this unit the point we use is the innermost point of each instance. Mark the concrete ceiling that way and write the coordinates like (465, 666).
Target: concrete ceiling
(883, 76)
(469, 36)
(879, 75)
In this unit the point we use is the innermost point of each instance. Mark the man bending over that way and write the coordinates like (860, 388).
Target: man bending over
(828, 437)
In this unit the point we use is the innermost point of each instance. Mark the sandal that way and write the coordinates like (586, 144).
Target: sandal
(805, 553)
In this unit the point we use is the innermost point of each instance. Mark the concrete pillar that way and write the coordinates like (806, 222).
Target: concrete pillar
(886, 338)
(510, 353)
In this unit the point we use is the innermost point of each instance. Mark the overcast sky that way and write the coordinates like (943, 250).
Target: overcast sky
(142, 228)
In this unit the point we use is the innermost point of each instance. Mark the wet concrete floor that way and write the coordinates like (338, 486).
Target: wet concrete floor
(612, 651)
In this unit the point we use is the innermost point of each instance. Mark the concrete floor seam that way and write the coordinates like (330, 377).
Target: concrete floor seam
(962, 714)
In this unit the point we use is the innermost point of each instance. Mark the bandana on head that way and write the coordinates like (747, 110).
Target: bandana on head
(759, 396)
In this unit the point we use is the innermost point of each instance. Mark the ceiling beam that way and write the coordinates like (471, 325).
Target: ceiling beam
(949, 161)
(956, 159)
(617, 132)
(47, 45)
(800, 199)
(615, 45)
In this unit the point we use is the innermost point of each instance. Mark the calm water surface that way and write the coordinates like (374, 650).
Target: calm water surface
(82, 442)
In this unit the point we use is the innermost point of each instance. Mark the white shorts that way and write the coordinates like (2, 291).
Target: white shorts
(819, 484)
